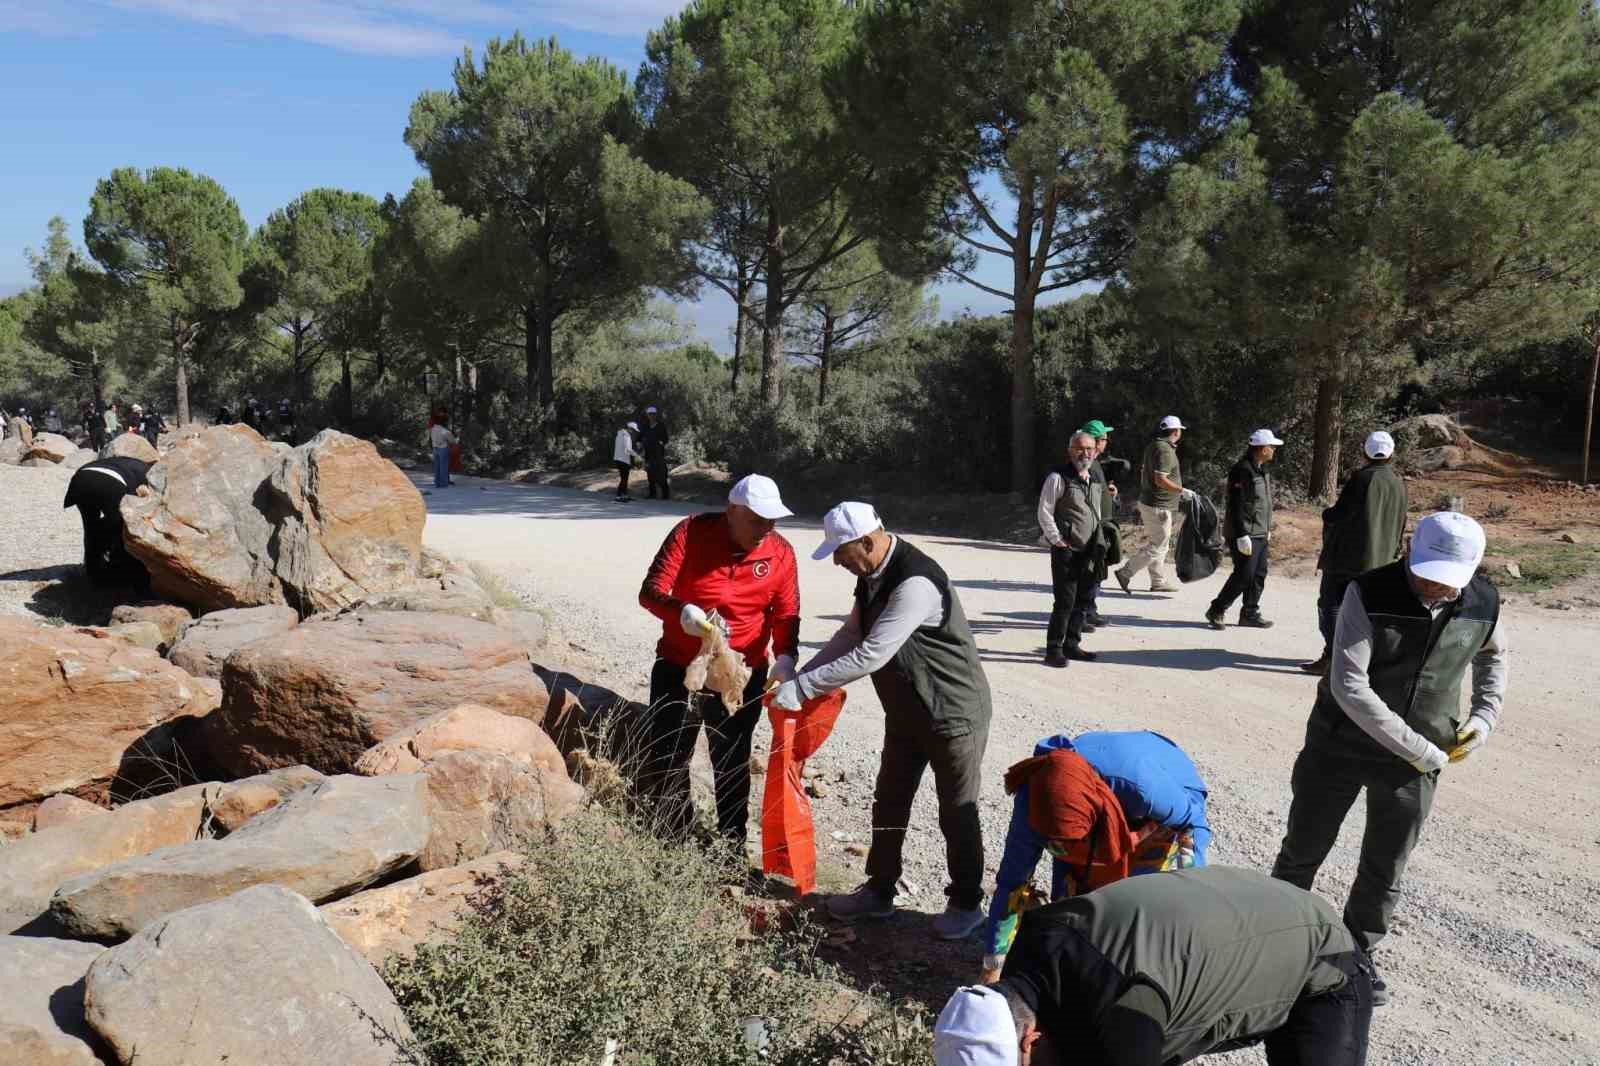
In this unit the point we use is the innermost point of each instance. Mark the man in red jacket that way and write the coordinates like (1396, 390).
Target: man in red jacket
(738, 565)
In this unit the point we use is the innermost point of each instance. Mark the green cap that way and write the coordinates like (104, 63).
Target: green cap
(1096, 428)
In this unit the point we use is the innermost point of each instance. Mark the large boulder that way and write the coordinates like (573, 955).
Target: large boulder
(11, 451)
(130, 446)
(232, 521)
(75, 705)
(327, 690)
(452, 592)
(1431, 431)
(41, 1002)
(323, 842)
(80, 458)
(64, 809)
(394, 919)
(466, 728)
(33, 868)
(203, 645)
(258, 977)
(50, 446)
(168, 618)
(485, 801)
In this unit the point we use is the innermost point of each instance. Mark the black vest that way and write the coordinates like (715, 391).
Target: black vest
(1418, 660)
(936, 673)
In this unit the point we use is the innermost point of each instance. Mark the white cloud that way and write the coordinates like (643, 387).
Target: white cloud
(362, 27)
(615, 17)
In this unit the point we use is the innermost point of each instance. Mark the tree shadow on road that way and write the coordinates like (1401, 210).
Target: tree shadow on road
(1201, 659)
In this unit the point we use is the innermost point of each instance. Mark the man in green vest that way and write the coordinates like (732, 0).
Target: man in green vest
(1247, 527)
(1071, 509)
(908, 632)
(1387, 717)
(1163, 969)
(1160, 490)
(1362, 531)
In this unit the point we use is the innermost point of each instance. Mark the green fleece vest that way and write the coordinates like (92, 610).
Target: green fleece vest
(1419, 661)
(1371, 522)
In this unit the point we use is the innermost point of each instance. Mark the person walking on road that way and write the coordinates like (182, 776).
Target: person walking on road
(908, 631)
(733, 563)
(1387, 717)
(440, 437)
(1363, 530)
(623, 456)
(1158, 970)
(1069, 514)
(1105, 806)
(1247, 527)
(1160, 490)
(1103, 471)
(653, 438)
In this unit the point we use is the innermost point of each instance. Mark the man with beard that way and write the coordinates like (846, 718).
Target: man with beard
(1070, 511)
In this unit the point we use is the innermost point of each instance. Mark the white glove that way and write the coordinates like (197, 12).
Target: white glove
(788, 697)
(694, 621)
(992, 965)
(1244, 545)
(783, 669)
(1433, 760)
(1187, 494)
(1469, 738)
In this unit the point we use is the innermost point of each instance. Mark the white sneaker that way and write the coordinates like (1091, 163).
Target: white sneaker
(957, 924)
(864, 902)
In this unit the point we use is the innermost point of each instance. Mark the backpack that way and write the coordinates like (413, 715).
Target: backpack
(1199, 541)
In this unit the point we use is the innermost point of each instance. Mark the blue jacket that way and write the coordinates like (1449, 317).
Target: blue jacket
(1150, 776)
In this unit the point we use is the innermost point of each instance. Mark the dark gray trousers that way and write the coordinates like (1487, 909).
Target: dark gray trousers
(1328, 775)
(910, 747)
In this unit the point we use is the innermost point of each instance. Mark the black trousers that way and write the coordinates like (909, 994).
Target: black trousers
(1326, 780)
(1330, 1029)
(656, 471)
(623, 470)
(1249, 576)
(1072, 580)
(910, 747)
(105, 558)
(1330, 596)
(664, 780)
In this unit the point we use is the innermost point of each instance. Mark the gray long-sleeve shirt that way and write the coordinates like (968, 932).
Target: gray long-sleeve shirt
(848, 656)
(1352, 689)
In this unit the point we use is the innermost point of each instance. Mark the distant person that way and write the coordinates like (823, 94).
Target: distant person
(22, 426)
(1105, 806)
(96, 490)
(52, 421)
(113, 424)
(441, 438)
(1363, 530)
(1160, 489)
(286, 419)
(93, 424)
(623, 456)
(224, 415)
(251, 415)
(736, 565)
(1105, 470)
(1152, 971)
(654, 440)
(151, 424)
(1387, 718)
(1247, 527)
(907, 630)
(1069, 515)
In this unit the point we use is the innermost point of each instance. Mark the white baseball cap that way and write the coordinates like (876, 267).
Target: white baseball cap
(1379, 445)
(1447, 547)
(650, 411)
(760, 494)
(976, 1029)
(1171, 422)
(634, 426)
(1263, 437)
(847, 522)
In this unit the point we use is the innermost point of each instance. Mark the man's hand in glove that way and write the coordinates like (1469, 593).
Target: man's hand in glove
(788, 697)
(694, 621)
(1244, 545)
(1469, 739)
(1433, 760)
(1187, 494)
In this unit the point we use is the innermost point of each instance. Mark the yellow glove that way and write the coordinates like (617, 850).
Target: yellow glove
(1469, 739)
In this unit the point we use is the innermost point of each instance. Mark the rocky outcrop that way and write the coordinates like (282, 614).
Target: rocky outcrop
(394, 919)
(76, 704)
(52, 447)
(324, 692)
(64, 809)
(34, 867)
(168, 618)
(453, 592)
(485, 801)
(323, 842)
(11, 451)
(257, 977)
(81, 457)
(202, 645)
(130, 446)
(41, 1002)
(230, 521)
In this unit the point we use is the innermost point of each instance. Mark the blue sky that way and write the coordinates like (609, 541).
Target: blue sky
(268, 98)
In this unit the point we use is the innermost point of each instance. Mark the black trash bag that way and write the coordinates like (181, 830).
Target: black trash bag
(1199, 541)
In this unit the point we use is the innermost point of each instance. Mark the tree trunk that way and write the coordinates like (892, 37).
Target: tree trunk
(826, 360)
(738, 334)
(530, 350)
(299, 389)
(1023, 388)
(180, 370)
(346, 380)
(547, 356)
(97, 382)
(772, 318)
(1588, 414)
(1329, 429)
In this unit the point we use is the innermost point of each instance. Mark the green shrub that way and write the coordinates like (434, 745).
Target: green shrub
(610, 934)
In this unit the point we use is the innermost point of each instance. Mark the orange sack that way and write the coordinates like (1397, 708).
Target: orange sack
(788, 839)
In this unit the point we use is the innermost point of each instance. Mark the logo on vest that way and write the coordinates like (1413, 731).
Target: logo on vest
(762, 569)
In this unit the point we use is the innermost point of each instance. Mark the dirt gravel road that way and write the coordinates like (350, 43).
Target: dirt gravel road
(1496, 957)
